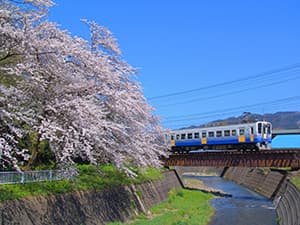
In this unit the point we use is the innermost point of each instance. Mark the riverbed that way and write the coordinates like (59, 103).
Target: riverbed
(245, 207)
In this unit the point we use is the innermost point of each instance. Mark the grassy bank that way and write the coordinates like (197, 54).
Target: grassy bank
(183, 208)
(296, 181)
(90, 177)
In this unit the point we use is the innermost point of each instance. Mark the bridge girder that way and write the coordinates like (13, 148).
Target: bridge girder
(265, 158)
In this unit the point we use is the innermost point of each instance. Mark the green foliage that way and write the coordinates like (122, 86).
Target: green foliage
(139, 193)
(146, 174)
(16, 191)
(8, 80)
(93, 177)
(45, 157)
(183, 207)
(90, 178)
(296, 181)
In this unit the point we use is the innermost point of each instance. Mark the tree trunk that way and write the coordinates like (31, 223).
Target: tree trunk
(34, 153)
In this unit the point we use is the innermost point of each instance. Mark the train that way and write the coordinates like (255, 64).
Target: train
(252, 136)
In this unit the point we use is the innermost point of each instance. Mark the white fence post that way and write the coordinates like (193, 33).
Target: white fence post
(50, 175)
(22, 178)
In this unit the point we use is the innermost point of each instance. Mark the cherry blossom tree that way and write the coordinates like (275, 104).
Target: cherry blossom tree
(78, 95)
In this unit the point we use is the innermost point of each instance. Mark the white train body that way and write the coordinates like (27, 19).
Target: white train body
(244, 136)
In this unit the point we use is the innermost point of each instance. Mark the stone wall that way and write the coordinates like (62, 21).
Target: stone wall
(88, 207)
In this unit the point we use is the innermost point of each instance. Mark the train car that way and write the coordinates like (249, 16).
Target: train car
(244, 136)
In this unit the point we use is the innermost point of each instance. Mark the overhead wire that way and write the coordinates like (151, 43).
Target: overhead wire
(231, 110)
(256, 77)
(229, 93)
(254, 82)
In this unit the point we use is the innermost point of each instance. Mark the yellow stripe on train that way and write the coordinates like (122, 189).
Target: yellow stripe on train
(242, 138)
(172, 143)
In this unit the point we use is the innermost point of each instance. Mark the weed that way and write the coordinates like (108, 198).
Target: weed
(184, 207)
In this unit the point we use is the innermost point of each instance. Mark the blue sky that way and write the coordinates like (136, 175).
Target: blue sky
(179, 46)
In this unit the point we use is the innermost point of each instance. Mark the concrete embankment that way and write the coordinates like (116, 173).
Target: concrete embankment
(274, 185)
(89, 207)
(271, 184)
(262, 181)
(287, 203)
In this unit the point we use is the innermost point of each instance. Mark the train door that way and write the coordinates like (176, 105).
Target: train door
(242, 134)
(172, 141)
(203, 137)
(251, 133)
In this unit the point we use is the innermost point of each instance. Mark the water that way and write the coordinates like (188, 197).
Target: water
(245, 207)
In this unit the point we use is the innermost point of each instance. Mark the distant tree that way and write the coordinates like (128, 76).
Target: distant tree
(78, 95)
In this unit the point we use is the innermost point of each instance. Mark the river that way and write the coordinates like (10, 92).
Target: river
(245, 207)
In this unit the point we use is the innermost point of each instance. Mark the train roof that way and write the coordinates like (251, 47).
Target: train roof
(218, 127)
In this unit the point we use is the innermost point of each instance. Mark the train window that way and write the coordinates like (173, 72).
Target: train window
(177, 136)
(196, 135)
(190, 136)
(259, 128)
(265, 129)
(211, 134)
(172, 137)
(251, 130)
(269, 128)
(226, 133)
(219, 133)
(233, 132)
(182, 136)
(204, 134)
(242, 131)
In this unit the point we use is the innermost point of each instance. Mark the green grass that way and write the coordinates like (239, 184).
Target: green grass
(184, 207)
(296, 181)
(90, 178)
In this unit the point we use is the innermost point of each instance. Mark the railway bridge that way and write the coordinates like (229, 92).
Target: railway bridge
(283, 157)
(278, 157)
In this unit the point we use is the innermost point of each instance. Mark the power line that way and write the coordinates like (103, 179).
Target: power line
(229, 93)
(231, 110)
(261, 75)
(217, 116)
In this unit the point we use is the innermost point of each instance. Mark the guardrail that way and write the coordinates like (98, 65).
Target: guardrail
(32, 176)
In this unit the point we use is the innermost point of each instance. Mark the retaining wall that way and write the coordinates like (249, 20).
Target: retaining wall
(89, 207)
(287, 202)
(262, 181)
(271, 184)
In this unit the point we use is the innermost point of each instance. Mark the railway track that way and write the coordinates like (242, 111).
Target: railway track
(279, 157)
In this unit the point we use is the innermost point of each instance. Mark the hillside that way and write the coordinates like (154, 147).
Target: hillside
(280, 120)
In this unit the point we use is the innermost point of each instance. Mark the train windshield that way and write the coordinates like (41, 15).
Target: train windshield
(264, 128)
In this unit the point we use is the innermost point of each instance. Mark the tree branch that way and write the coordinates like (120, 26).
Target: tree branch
(23, 54)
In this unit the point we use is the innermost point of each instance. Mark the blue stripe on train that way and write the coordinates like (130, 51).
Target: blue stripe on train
(219, 141)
